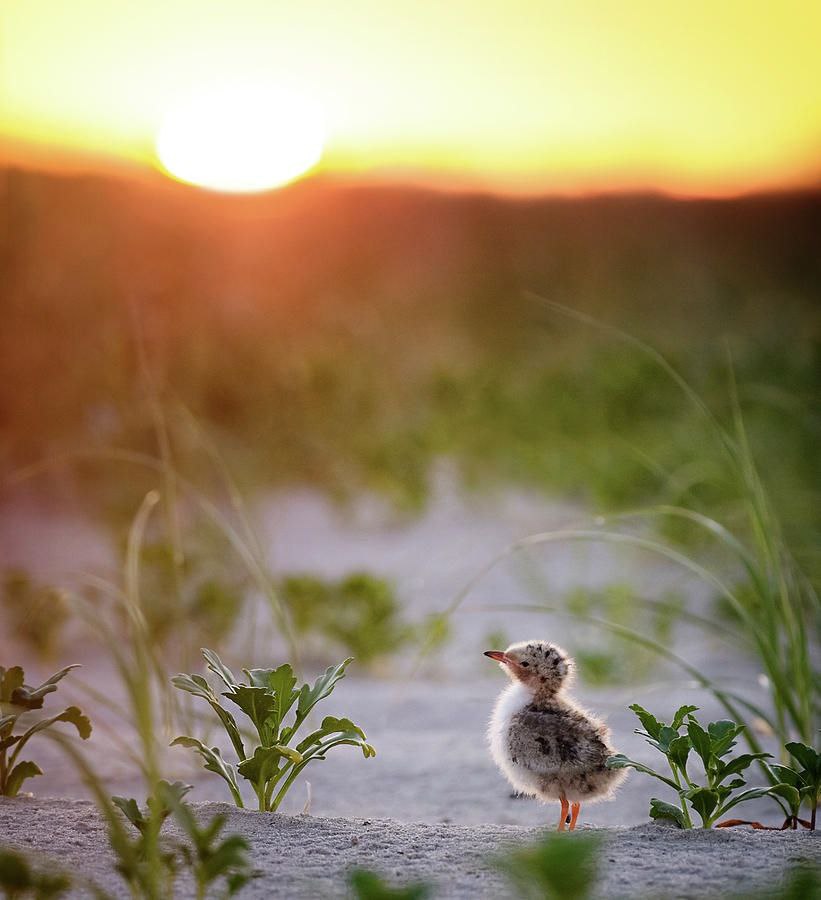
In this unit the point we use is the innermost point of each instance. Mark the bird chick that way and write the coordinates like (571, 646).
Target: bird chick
(546, 745)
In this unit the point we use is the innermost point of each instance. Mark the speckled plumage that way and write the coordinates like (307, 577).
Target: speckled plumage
(545, 744)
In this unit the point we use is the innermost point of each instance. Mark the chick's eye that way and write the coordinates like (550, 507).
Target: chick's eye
(525, 664)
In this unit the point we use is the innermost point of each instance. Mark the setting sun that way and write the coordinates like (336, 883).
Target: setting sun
(240, 138)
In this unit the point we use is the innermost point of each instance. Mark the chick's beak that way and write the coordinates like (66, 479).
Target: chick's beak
(498, 655)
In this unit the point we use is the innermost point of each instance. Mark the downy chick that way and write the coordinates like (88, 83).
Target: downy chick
(546, 745)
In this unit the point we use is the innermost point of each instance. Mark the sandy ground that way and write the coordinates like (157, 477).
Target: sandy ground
(309, 857)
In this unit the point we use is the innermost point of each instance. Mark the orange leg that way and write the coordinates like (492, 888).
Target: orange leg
(565, 807)
(574, 814)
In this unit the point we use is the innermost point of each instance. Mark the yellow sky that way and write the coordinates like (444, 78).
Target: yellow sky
(707, 96)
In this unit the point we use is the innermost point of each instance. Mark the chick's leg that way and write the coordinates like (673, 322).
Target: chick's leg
(574, 814)
(565, 807)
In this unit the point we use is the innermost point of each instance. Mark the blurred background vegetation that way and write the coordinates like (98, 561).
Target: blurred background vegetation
(349, 337)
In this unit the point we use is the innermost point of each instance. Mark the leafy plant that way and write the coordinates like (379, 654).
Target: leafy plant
(18, 879)
(712, 745)
(38, 612)
(208, 858)
(367, 885)
(139, 858)
(272, 765)
(561, 867)
(16, 701)
(359, 612)
(801, 784)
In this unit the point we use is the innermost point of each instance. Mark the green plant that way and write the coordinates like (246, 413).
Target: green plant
(800, 784)
(560, 867)
(359, 613)
(16, 701)
(38, 612)
(18, 879)
(712, 745)
(266, 699)
(208, 858)
(367, 885)
(136, 856)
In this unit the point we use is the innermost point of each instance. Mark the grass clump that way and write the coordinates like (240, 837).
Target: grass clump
(272, 766)
(17, 700)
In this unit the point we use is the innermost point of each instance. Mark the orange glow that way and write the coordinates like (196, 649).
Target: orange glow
(696, 97)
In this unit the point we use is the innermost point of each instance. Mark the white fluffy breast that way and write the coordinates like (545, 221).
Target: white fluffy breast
(511, 701)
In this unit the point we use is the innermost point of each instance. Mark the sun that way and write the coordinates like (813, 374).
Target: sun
(240, 138)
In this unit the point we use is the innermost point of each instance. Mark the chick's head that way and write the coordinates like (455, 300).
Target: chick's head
(540, 665)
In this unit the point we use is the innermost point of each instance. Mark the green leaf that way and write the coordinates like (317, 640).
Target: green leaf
(681, 714)
(265, 763)
(751, 794)
(665, 738)
(701, 743)
(559, 865)
(334, 732)
(736, 765)
(15, 873)
(650, 723)
(199, 687)
(807, 757)
(213, 762)
(71, 714)
(722, 734)
(18, 775)
(704, 801)
(809, 792)
(130, 809)
(10, 681)
(7, 722)
(679, 750)
(790, 793)
(281, 682)
(322, 687)
(620, 761)
(330, 725)
(785, 775)
(32, 698)
(367, 885)
(259, 704)
(659, 809)
(166, 798)
(216, 665)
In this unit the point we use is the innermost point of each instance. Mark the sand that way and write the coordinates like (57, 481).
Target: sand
(306, 856)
